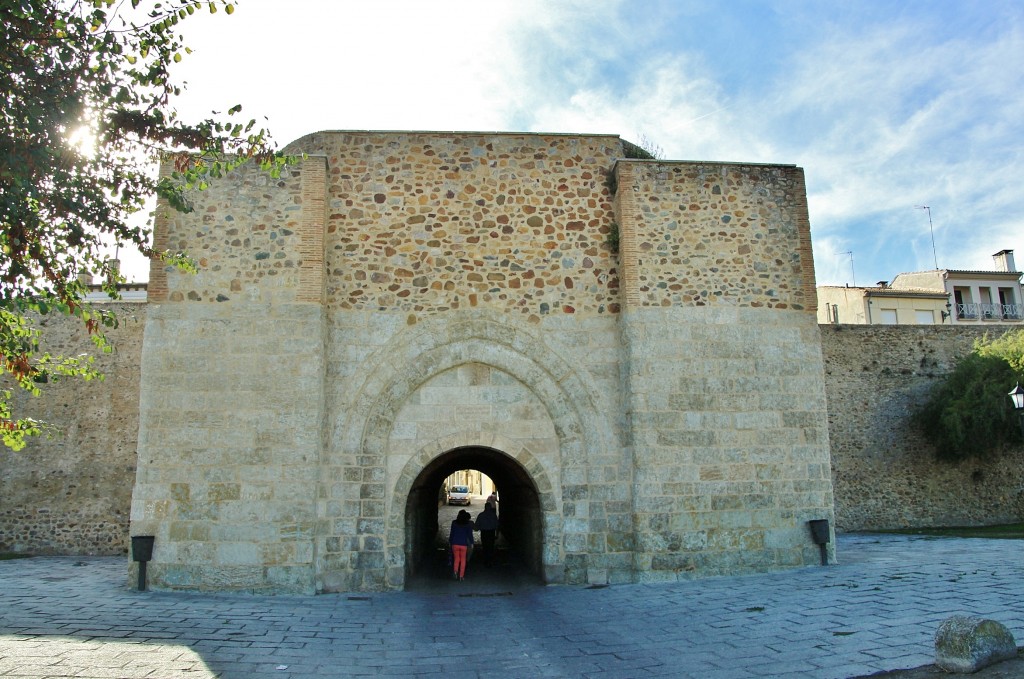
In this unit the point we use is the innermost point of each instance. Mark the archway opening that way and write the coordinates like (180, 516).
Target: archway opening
(519, 510)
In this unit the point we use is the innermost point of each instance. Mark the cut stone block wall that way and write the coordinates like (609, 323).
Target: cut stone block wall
(731, 445)
(543, 406)
(229, 439)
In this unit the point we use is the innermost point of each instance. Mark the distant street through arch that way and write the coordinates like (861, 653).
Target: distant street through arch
(428, 520)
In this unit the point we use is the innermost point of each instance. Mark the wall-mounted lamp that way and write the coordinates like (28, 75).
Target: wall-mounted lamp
(1017, 396)
(947, 313)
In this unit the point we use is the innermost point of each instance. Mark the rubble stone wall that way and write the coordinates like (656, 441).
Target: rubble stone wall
(884, 472)
(426, 223)
(70, 494)
(710, 234)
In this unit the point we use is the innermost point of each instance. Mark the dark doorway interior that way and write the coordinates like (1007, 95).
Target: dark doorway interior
(519, 511)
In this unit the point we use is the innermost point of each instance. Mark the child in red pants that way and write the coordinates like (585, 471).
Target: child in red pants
(461, 539)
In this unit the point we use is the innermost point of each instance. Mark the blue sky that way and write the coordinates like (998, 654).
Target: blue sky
(886, 105)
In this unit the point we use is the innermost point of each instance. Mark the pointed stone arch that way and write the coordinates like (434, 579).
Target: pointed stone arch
(396, 370)
(440, 342)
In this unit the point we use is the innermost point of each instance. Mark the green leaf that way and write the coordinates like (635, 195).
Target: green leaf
(66, 64)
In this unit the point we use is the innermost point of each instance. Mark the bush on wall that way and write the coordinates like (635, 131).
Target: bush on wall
(1009, 347)
(969, 414)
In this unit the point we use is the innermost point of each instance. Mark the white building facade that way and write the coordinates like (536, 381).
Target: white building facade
(931, 297)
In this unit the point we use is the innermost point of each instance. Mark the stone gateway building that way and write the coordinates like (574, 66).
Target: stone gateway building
(627, 347)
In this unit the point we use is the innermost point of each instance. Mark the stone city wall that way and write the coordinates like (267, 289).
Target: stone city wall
(70, 494)
(397, 299)
(884, 473)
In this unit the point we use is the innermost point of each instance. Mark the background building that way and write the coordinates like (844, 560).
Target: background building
(881, 305)
(930, 297)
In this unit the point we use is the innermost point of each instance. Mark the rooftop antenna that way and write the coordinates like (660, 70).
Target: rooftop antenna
(853, 275)
(930, 230)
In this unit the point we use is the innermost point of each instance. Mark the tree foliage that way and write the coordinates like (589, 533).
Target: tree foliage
(969, 414)
(85, 107)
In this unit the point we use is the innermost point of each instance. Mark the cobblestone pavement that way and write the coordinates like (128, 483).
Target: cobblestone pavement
(878, 610)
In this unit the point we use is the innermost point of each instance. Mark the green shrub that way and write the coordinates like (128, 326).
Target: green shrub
(1009, 347)
(969, 414)
(613, 238)
(636, 152)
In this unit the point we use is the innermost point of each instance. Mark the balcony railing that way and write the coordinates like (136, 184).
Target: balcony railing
(989, 312)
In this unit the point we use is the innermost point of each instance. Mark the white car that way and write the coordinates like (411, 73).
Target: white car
(458, 495)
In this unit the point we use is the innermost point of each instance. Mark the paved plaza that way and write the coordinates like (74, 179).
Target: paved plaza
(878, 610)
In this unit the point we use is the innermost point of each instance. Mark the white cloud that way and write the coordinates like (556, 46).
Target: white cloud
(885, 120)
(885, 108)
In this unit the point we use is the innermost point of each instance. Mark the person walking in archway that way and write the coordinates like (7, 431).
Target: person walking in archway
(460, 537)
(487, 524)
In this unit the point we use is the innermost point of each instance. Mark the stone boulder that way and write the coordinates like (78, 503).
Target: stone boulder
(967, 644)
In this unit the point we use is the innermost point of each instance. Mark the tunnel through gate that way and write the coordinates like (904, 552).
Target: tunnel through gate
(519, 511)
